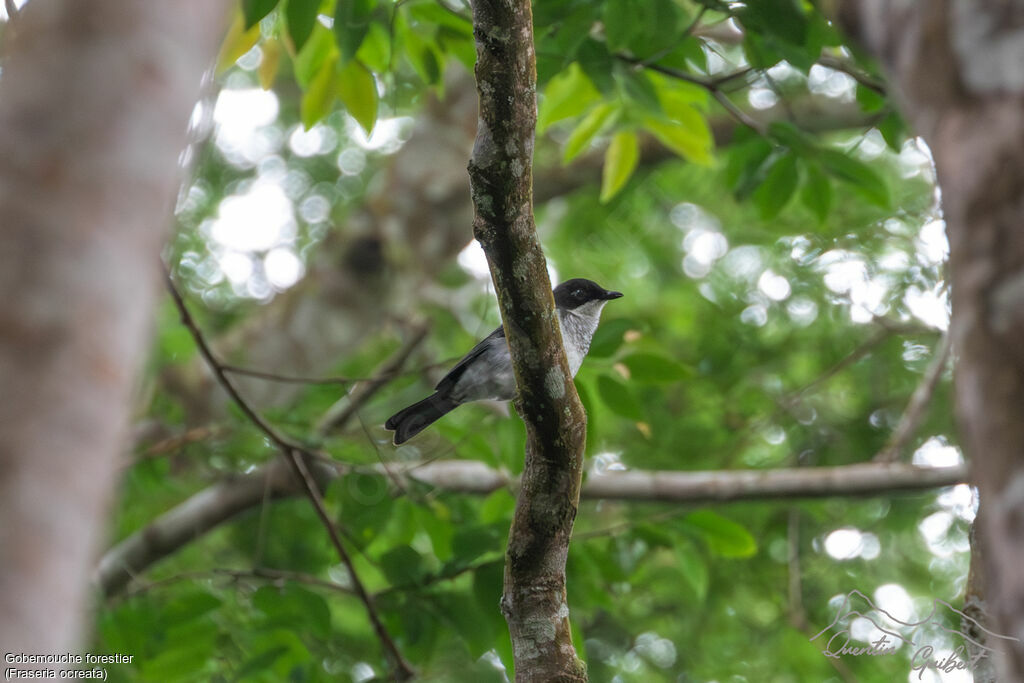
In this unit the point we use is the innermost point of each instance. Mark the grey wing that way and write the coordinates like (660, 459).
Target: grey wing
(484, 372)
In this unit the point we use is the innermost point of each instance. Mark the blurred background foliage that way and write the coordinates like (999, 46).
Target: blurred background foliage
(733, 168)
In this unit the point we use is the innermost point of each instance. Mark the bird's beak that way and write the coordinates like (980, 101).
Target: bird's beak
(609, 295)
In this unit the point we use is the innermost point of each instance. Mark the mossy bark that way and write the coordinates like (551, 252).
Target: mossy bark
(534, 601)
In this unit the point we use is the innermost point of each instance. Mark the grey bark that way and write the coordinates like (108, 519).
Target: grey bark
(95, 98)
(957, 68)
(218, 504)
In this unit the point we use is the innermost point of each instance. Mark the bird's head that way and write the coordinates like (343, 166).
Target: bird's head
(583, 296)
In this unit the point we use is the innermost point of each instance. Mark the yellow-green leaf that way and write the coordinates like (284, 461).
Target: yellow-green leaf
(310, 59)
(267, 71)
(599, 118)
(619, 163)
(237, 42)
(723, 536)
(320, 95)
(568, 94)
(358, 92)
(684, 130)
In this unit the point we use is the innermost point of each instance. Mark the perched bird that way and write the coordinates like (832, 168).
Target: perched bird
(486, 371)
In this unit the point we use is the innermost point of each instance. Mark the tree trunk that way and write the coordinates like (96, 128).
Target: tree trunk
(534, 601)
(957, 67)
(95, 99)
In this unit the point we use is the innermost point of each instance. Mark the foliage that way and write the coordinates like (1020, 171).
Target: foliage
(773, 272)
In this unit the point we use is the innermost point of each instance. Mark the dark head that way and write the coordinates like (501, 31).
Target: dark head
(579, 291)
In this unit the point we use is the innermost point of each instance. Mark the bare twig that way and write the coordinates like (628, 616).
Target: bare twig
(851, 70)
(178, 441)
(342, 411)
(919, 401)
(295, 455)
(335, 379)
(274, 575)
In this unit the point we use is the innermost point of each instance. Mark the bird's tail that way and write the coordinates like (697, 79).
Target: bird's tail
(409, 422)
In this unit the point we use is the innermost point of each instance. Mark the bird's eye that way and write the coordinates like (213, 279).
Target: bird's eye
(577, 293)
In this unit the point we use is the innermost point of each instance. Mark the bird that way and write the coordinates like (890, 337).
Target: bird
(486, 371)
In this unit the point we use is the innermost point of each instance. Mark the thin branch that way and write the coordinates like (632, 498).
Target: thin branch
(343, 410)
(381, 377)
(295, 455)
(916, 409)
(696, 21)
(221, 502)
(179, 441)
(846, 361)
(273, 575)
(851, 70)
(713, 86)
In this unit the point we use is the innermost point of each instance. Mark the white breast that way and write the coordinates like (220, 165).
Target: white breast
(578, 327)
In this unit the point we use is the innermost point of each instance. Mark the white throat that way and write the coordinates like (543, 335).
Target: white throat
(578, 327)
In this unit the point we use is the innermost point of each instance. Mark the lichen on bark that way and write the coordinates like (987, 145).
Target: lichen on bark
(534, 600)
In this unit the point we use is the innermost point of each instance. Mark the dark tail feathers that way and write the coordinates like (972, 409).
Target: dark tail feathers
(409, 422)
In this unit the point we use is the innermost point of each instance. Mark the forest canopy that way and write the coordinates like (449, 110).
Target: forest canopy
(737, 170)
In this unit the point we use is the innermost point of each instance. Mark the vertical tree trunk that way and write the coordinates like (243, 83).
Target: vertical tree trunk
(95, 97)
(534, 601)
(957, 66)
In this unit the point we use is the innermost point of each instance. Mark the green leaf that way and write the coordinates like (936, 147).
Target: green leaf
(191, 605)
(422, 56)
(310, 60)
(620, 23)
(598, 64)
(723, 536)
(468, 620)
(403, 566)
(858, 174)
(608, 337)
(893, 131)
(185, 653)
(599, 118)
(870, 101)
(568, 94)
(619, 398)
(269, 63)
(778, 186)
(300, 16)
(690, 140)
(788, 135)
(744, 164)
(254, 10)
(237, 42)
(319, 96)
(782, 19)
(637, 88)
(375, 52)
(649, 368)
(816, 193)
(294, 607)
(366, 505)
(351, 24)
(620, 161)
(357, 90)
(470, 543)
(641, 28)
(693, 569)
